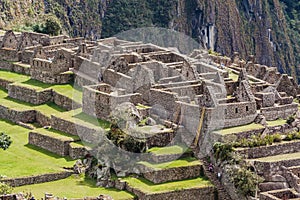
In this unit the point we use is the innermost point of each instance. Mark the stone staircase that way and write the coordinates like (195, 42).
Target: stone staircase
(222, 193)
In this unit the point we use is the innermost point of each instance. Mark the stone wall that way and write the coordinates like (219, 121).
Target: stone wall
(266, 169)
(6, 65)
(173, 174)
(77, 152)
(42, 119)
(207, 193)
(18, 68)
(65, 102)
(270, 150)
(230, 115)
(63, 125)
(26, 116)
(100, 103)
(55, 145)
(9, 54)
(280, 111)
(163, 100)
(30, 95)
(16, 182)
(4, 83)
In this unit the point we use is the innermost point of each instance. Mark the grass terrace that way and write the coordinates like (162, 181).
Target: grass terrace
(46, 109)
(68, 90)
(277, 122)
(238, 129)
(281, 157)
(150, 188)
(78, 187)
(27, 160)
(176, 149)
(11, 76)
(184, 162)
(56, 134)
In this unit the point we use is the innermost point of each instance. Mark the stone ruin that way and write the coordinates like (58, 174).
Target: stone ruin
(187, 93)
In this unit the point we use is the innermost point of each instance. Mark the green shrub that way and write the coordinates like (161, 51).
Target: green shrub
(277, 137)
(290, 120)
(5, 189)
(5, 141)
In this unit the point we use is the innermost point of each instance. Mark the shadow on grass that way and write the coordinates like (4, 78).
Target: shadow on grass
(93, 120)
(48, 153)
(37, 83)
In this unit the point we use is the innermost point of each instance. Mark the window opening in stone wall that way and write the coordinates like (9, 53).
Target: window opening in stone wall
(247, 108)
(236, 110)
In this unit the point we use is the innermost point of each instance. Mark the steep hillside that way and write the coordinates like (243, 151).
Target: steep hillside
(269, 29)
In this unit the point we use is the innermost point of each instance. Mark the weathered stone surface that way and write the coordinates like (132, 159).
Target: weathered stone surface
(272, 186)
(29, 95)
(173, 174)
(16, 182)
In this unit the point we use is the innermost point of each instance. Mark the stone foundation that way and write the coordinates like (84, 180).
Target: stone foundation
(173, 174)
(30, 95)
(16, 182)
(57, 145)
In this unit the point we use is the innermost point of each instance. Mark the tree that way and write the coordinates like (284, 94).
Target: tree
(5, 141)
(5, 189)
(52, 25)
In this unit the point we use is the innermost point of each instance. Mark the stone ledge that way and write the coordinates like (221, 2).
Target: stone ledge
(173, 174)
(16, 182)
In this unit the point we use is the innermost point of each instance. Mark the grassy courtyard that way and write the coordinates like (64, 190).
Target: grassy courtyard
(27, 160)
(77, 187)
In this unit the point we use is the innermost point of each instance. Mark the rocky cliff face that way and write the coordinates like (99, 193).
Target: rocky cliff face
(256, 27)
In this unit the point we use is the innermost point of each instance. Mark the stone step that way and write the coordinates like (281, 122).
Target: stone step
(21, 68)
(284, 147)
(29, 93)
(192, 189)
(181, 169)
(212, 176)
(272, 164)
(169, 153)
(51, 140)
(78, 150)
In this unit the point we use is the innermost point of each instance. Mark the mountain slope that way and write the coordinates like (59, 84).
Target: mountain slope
(269, 29)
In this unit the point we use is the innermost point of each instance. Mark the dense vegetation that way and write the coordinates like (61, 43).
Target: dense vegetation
(124, 15)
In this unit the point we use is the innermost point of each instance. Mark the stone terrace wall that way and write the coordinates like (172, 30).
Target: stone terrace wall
(27, 116)
(281, 111)
(54, 145)
(206, 193)
(29, 95)
(4, 83)
(64, 101)
(42, 119)
(9, 54)
(268, 168)
(173, 174)
(16, 182)
(270, 150)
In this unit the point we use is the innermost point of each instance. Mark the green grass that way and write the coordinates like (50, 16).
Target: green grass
(46, 109)
(233, 76)
(184, 162)
(67, 90)
(150, 188)
(176, 149)
(22, 159)
(281, 157)
(73, 187)
(57, 134)
(277, 122)
(91, 120)
(11, 76)
(238, 129)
